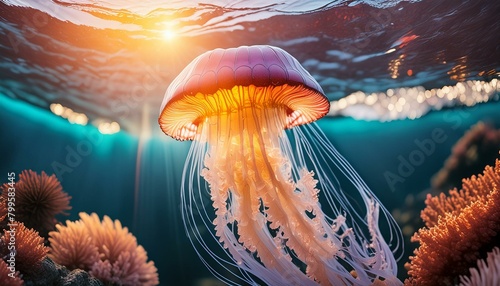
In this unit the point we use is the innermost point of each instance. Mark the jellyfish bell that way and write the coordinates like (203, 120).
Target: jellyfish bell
(266, 184)
(223, 81)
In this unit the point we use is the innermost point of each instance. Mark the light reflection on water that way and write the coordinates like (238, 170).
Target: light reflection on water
(108, 59)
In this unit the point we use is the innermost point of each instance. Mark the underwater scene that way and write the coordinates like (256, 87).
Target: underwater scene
(249, 142)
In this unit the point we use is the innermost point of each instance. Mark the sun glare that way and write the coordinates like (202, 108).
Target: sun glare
(169, 34)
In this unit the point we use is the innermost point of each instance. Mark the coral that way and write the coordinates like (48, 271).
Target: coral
(39, 198)
(72, 246)
(471, 190)
(106, 249)
(462, 228)
(8, 278)
(29, 248)
(3, 209)
(476, 149)
(486, 273)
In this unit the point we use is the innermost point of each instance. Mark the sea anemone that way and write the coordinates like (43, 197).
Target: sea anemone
(39, 198)
(72, 246)
(106, 249)
(26, 245)
(460, 230)
(486, 273)
(7, 277)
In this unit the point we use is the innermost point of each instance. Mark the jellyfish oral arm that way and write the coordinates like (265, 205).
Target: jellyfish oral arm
(267, 212)
(295, 118)
(256, 194)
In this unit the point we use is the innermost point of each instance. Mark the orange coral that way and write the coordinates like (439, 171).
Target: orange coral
(463, 227)
(7, 277)
(39, 198)
(3, 209)
(106, 249)
(25, 246)
(458, 200)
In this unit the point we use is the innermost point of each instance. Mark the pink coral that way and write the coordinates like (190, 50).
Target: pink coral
(72, 246)
(104, 248)
(487, 271)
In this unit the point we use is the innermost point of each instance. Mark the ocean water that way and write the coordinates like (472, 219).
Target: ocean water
(110, 62)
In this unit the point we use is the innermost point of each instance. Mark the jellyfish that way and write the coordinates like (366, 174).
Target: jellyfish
(284, 206)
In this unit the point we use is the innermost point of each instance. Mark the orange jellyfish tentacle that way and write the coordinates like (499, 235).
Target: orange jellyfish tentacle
(256, 189)
(380, 259)
(253, 236)
(284, 205)
(267, 212)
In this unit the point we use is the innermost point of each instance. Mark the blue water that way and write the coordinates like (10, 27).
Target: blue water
(104, 181)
